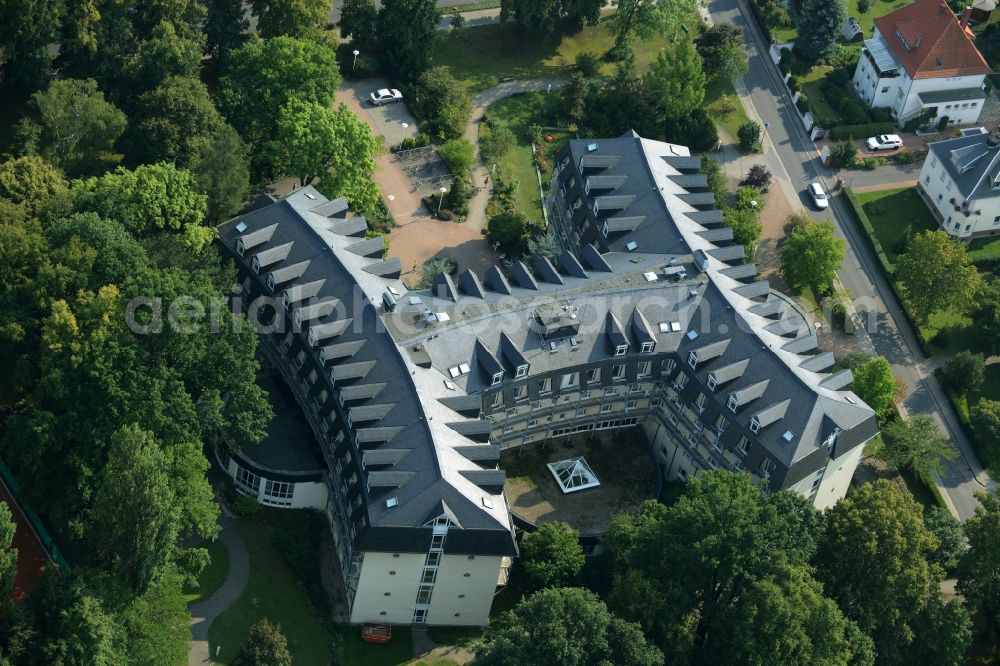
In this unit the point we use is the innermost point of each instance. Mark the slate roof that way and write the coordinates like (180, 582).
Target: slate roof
(979, 155)
(928, 40)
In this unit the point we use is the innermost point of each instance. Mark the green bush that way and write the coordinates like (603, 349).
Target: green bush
(845, 55)
(749, 136)
(880, 115)
(458, 155)
(588, 64)
(864, 6)
(495, 140)
(942, 123)
(418, 141)
(904, 157)
(802, 104)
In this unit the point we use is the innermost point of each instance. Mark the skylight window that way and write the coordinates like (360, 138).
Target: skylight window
(241, 227)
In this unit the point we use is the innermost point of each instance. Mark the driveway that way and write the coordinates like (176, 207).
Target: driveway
(388, 119)
(791, 156)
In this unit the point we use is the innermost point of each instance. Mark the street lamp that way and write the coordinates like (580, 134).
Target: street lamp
(441, 199)
(356, 54)
(402, 134)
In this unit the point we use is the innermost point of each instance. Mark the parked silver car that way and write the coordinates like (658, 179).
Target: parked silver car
(884, 142)
(385, 96)
(818, 196)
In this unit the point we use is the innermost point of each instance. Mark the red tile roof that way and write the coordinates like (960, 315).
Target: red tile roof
(930, 42)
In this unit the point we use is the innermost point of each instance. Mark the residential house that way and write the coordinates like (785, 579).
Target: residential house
(960, 182)
(921, 57)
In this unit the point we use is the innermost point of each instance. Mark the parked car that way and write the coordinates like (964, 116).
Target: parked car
(818, 196)
(884, 142)
(385, 96)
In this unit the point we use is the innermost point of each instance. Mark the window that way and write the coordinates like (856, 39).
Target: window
(593, 376)
(278, 492)
(693, 360)
(570, 380)
(497, 378)
(933, 162)
(424, 594)
(681, 381)
(584, 395)
(522, 371)
(712, 382)
(941, 194)
(545, 386)
(610, 392)
(247, 481)
(605, 409)
(754, 425)
(644, 369)
(630, 404)
(720, 424)
(885, 89)
(581, 412)
(621, 350)
(766, 465)
(535, 406)
(497, 399)
(734, 402)
(699, 402)
(668, 366)
(618, 372)
(741, 446)
(520, 393)
(647, 347)
(927, 179)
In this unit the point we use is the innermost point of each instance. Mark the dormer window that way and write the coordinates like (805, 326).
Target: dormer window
(621, 350)
(255, 265)
(286, 300)
(712, 382)
(693, 360)
(647, 347)
(270, 281)
(604, 228)
(754, 425)
(734, 402)
(497, 378)
(240, 247)
(586, 187)
(522, 371)
(597, 207)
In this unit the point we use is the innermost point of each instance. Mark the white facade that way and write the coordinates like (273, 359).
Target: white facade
(270, 492)
(394, 587)
(895, 90)
(942, 197)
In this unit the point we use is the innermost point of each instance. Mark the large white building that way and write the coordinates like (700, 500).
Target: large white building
(922, 57)
(648, 319)
(960, 183)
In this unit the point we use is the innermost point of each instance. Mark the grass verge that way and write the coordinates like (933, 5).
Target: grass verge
(891, 212)
(352, 650)
(212, 576)
(724, 107)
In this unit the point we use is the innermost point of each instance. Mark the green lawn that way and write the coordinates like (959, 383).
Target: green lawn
(984, 248)
(212, 576)
(482, 56)
(466, 637)
(891, 211)
(272, 592)
(823, 112)
(352, 650)
(878, 8)
(724, 106)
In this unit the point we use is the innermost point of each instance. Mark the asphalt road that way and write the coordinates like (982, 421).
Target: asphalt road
(791, 156)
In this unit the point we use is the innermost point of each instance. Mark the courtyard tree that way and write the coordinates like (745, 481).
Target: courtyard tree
(162, 56)
(509, 228)
(746, 228)
(646, 17)
(966, 371)
(722, 51)
(442, 103)
(749, 137)
(917, 445)
(811, 257)
(458, 155)
(897, 603)
(357, 21)
(758, 177)
(552, 556)
(818, 33)
(566, 626)
(265, 645)
(78, 126)
(979, 568)
(875, 384)
(936, 274)
(312, 141)
(676, 80)
(406, 31)
(295, 18)
(536, 16)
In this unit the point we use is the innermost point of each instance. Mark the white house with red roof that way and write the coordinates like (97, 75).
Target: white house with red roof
(922, 57)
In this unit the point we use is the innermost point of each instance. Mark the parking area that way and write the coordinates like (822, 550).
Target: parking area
(386, 119)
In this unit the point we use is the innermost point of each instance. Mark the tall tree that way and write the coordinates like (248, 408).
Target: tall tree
(985, 418)
(986, 313)
(979, 568)
(722, 51)
(538, 17)
(746, 228)
(552, 556)
(818, 33)
(406, 31)
(898, 602)
(263, 75)
(874, 383)
(312, 141)
(164, 55)
(27, 27)
(676, 81)
(966, 371)
(645, 17)
(564, 626)
(950, 534)
(30, 182)
(811, 257)
(935, 274)
(78, 126)
(8, 554)
(582, 12)
(442, 103)
(358, 20)
(221, 167)
(264, 646)
(295, 18)
(916, 444)
(225, 25)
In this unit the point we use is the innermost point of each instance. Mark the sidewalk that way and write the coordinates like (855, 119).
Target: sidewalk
(203, 613)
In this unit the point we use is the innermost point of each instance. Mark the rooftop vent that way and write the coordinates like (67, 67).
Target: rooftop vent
(241, 227)
(450, 385)
(553, 346)
(391, 502)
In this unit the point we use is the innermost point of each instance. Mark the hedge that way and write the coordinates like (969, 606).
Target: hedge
(859, 212)
(860, 131)
(961, 406)
(761, 23)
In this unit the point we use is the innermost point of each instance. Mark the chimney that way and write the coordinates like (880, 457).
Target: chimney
(966, 15)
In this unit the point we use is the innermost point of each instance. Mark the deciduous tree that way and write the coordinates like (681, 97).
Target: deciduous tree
(8, 554)
(442, 103)
(986, 313)
(358, 19)
(986, 423)
(27, 27)
(874, 383)
(979, 568)
(566, 626)
(225, 25)
(722, 51)
(917, 445)
(295, 18)
(406, 31)
(818, 33)
(746, 228)
(758, 177)
(811, 257)
(936, 274)
(30, 182)
(675, 80)
(164, 55)
(748, 135)
(966, 371)
(552, 556)
(264, 646)
(645, 17)
(538, 17)
(950, 534)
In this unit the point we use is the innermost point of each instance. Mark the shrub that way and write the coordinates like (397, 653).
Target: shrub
(802, 104)
(904, 157)
(902, 243)
(457, 198)
(798, 220)
(793, 83)
(749, 198)
(941, 338)
(418, 141)
(495, 140)
(697, 131)
(845, 55)
(880, 114)
(838, 315)
(840, 77)
(436, 265)
(871, 163)
(588, 63)
(758, 177)
(749, 135)
(942, 123)
(458, 155)
(843, 153)
(966, 371)
(864, 6)
(509, 229)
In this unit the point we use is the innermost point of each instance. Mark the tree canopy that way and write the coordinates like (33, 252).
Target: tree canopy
(442, 103)
(406, 31)
(811, 257)
(979, 567)
(8, 554)
(676, 80)
(722, 51)
(30, 182)
(552, 556)
(264, 646)
(564, 626)
(935, 273)
(875, 384)
(818, 34)
(916, 444)
(295, 18)
(645, 17)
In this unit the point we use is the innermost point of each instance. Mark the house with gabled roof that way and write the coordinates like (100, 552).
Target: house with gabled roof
(922, 57)
(960, 183)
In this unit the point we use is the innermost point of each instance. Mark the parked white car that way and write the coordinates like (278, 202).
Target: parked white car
(385, 96)
(818, 196)
(884, 142)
